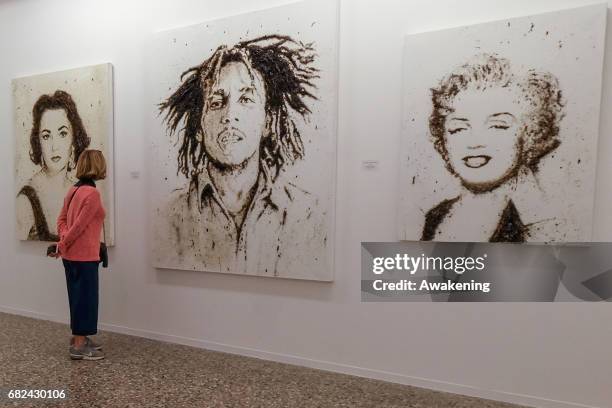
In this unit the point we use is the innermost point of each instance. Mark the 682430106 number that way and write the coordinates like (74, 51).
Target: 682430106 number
(15, 394)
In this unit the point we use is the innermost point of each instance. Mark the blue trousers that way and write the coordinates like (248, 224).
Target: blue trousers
(82, 284)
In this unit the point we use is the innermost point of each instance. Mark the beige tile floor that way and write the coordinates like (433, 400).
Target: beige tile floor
(145, 373)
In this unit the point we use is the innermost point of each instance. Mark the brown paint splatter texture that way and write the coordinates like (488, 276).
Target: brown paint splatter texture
(542, 107)
(80, 141)
(541, 98)
(59, 100)
(286, 68)
(272, 219)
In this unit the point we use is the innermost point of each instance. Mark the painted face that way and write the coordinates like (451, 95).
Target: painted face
(234, 118)
(482, 137)
(55, 140)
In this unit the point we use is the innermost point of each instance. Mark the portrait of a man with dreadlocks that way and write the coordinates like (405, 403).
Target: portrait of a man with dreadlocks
(236, 115)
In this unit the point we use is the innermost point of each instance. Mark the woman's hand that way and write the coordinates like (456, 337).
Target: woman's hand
(53, 253)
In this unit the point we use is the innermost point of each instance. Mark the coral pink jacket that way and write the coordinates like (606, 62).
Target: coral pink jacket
(80, 225)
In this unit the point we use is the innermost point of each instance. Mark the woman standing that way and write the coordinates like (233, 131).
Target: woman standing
(78, 226)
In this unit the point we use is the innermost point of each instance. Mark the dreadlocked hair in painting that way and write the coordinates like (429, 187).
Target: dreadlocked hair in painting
(286, 67)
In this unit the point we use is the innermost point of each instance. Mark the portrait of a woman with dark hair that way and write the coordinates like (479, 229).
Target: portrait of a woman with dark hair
(235, 114)
(492, 127)
(57, 138)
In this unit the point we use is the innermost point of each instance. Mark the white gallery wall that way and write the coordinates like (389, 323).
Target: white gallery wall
(542, 354)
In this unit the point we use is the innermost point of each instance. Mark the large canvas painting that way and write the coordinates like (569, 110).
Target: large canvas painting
(244, 143)
(56, 117)
(500, 129)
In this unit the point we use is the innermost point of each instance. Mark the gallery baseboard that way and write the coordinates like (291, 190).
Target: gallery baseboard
(431, 384)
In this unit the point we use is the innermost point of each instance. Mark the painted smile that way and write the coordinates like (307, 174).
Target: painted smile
(55, 159)
(476, 162)
(230, 136)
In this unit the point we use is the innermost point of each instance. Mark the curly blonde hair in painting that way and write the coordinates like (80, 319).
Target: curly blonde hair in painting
(541, 96)
(286, 67)
(91, 165)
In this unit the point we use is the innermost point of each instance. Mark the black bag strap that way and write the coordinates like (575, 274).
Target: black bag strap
(71, 197)
(69, 201)
(68, 207)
